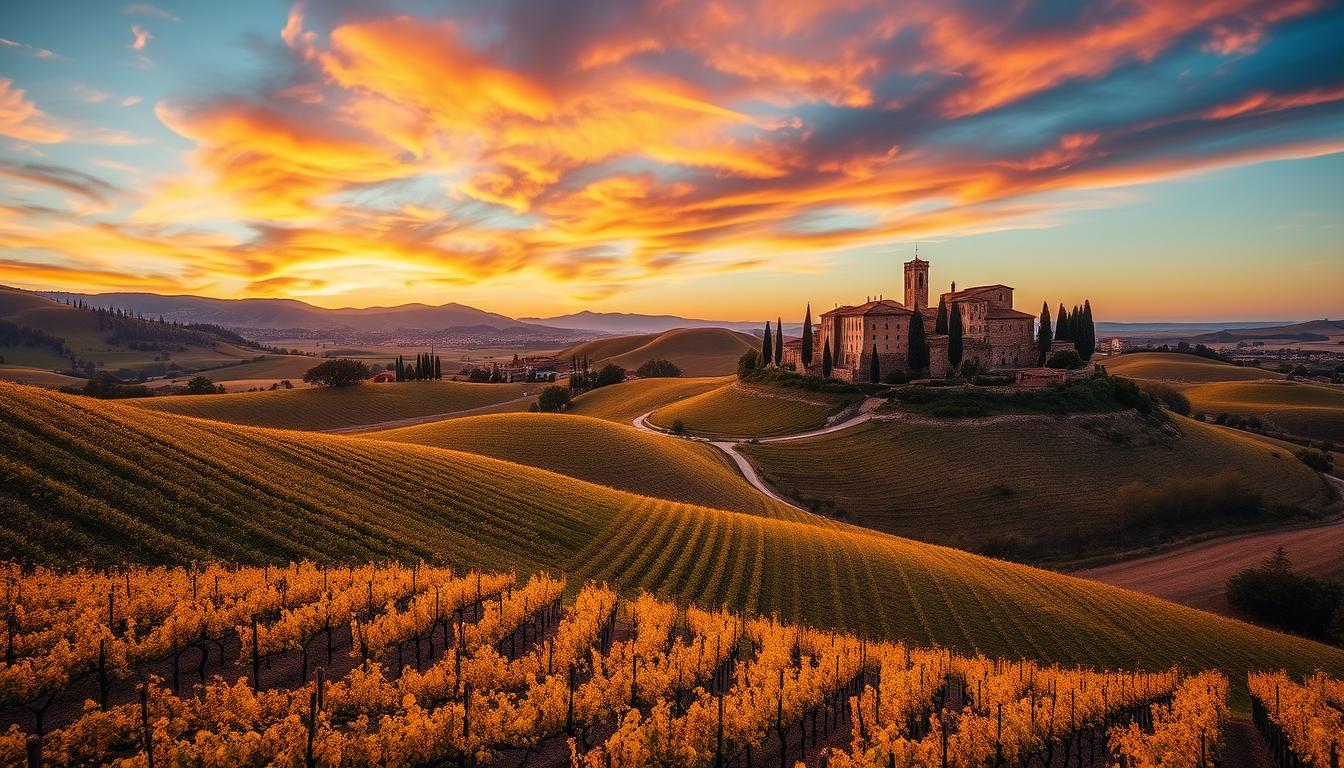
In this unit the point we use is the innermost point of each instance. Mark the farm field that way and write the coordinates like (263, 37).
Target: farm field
(1181, 369)
(258, 373)
(328, 408)
(1026, 486)
(742, 411)
(629, 400)
(103, 482)
(697, 351)
(615, 455)
(38, 377)
(1195, 575)
(1314, 411)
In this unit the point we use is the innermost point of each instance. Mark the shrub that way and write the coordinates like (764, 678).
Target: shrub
(1317, 460)
(659, 369)
(610, 374)
(896, 377)
(748, 363)
(678, 427)
(1181, 502)
(1174, 399)
(1272, 594)
(553, 398)
(200, 385)
(1065, 358)
(106, 387)
(337, 373)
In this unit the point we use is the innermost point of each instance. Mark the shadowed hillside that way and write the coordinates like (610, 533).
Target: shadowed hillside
(100, 482)
(626, 401)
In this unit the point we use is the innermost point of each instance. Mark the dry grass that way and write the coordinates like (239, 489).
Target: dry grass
(625, 402)
(615, 455)
(1181, 369)
(743, 411)
(327, 408)
(1310, 410)
(697, 351)
(38, 377)
(103, 482)
(1036, 486)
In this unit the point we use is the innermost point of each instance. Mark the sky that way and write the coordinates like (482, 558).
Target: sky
(1175, 161)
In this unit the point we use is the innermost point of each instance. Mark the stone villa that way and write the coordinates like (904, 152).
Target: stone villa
(994, 333)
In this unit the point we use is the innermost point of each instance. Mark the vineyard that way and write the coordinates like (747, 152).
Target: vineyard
(100, 483)
(623, 403)
(601, 683)
(1302, 721)
(737, 410)
(892, 476)
(329, 408)
(615, 455)
(696, 351)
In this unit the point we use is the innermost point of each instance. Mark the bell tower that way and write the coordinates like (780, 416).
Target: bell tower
(916, 283)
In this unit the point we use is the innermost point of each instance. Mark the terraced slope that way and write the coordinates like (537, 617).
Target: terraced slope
(330, 408)
(740, 411)
(1181, 369)
(1039, 487)
(624, 402)
(697, 351)
(101, 482)
(602, 452)
(1310, 410)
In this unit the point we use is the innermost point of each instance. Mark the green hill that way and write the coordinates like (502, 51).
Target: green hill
(739, 410)
(697, 351)
(628, 400)
(1030, 486)
(615, 455)
(99, 482)
(336, 408)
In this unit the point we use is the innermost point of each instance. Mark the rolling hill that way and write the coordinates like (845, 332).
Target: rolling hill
(625, 323)
(109, 344)
(628, 400)
(615, 455)
(339, 408)
(1032, 486)
(697, 351)
(1181, 369)
(100, 482)
(742, 411)
(1309, 410)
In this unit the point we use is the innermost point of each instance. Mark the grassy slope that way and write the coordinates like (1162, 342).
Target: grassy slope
(602, 452)
(627, 401)
(100, 481)
(79, 328)
(739, 410)
(1181, 369)
(697, 351)
(935, 479)
(38, 377)
(1310, 410)
(323, 408)
(270, 369)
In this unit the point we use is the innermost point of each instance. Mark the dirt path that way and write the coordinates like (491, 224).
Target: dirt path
(1195, 575)
(413, 420)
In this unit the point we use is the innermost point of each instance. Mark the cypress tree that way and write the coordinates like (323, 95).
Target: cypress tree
(1087, 336)
(826, 361)
(767, 353)
(401, 369)
(779, 342)
(940, 325)
(1062, 323)
(1076, 325)
(874, 368)
(1043, 337)
(917, 347)
(807, 338)
(955, 338)
(438, 368)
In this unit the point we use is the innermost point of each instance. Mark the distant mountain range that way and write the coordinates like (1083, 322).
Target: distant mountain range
(629, 323)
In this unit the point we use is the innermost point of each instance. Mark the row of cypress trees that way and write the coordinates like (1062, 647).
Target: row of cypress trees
(426, 367)
(1076, 327)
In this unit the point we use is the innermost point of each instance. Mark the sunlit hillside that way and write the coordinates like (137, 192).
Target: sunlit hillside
(738, 410)
(628, 400)
(697, 351)
(101, 482)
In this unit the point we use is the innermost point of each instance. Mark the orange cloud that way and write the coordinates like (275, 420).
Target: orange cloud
(1262, 102)
(21, 119)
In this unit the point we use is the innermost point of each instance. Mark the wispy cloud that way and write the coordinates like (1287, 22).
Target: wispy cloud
(142, 37)
(145, 9)
(30, 50)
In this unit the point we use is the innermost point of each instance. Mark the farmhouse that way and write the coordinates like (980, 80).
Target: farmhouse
(994, 334)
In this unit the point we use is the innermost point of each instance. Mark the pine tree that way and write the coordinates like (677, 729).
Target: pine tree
(807, 338)
(955, 338)
(826, 360)
(1086, 338)
(1062, 323)
(779, 342)
(767, 352)
(940, 325)
(1043, 337)
(874, 368)
(917, 347)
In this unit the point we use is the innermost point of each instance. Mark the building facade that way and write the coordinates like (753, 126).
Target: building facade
(993, 333)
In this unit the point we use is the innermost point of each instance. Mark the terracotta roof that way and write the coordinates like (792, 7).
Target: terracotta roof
(1006, 313)
(883, 307)
(966, 293)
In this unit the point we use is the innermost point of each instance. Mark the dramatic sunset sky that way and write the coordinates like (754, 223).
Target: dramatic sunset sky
(1167, 160)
